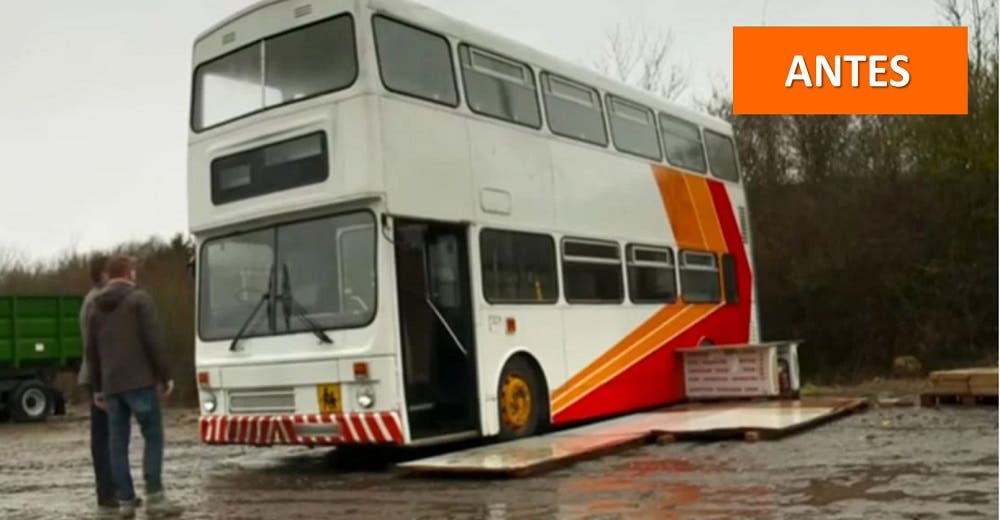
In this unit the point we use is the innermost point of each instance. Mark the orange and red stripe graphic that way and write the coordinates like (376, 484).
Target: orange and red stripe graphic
(261, 430)
(640, 370)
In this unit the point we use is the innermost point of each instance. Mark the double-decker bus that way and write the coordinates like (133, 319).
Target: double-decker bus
(413, 231)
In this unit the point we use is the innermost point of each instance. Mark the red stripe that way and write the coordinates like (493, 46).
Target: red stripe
(345, 431)
(373, 426)
(223, 429)
(358, 427)
(392, 424)
(271, 430)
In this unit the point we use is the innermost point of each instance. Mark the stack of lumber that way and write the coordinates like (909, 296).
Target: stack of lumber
(965, 382)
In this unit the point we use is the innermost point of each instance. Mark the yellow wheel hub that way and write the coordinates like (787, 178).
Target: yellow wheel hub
(515, 402)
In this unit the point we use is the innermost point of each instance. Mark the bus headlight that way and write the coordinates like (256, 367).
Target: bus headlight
(207, 402)
(366, 397)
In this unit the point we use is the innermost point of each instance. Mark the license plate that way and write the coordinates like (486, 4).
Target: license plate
(328, 397)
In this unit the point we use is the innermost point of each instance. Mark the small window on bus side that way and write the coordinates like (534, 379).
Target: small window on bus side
(498, 87)
(722, 156)
(651, 275)
(592, 271)
(573, 110)
(699, 277)
(415, 62)
(683, 144)
(518, 267)
(729, 280)
(633, 128)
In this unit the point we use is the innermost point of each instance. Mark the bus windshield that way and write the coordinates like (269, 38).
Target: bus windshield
(306, 62)
(326, 265)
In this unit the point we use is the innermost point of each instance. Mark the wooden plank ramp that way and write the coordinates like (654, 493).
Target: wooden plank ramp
(965, 386)
(751, 421)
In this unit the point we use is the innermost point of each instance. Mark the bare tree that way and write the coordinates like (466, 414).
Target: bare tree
(10, 259)
(643, 58)
(981, 18)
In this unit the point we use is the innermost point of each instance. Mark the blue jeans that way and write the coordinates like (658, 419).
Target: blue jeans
(144, 404)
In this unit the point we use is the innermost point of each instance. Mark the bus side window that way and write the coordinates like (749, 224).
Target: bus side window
(574, 110)
(651, 275)
(499, 87)
(699, 277)
(592, 271)
(683, 144)
(633, 128)
(415, 62)
(518, 267)
(722, 156)
(729, 279)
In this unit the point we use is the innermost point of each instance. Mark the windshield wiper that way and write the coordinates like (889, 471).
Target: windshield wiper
(289, 307)
(265, 298)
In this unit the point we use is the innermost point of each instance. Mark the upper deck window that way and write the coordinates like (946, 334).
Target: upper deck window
(415, 62)
(722, 156)
(633, 128)
(574, 110)
(300, 64)
(499, 87)
(682, 142)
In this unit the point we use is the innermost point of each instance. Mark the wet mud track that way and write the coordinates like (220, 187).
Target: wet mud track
(884, 463)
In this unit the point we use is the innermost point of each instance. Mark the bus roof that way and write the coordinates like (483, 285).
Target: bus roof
(434, 20)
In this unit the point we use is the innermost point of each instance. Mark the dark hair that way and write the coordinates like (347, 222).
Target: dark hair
(98, 264)
(120, 266)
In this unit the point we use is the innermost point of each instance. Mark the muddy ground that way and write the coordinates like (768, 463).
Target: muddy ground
(907, 463)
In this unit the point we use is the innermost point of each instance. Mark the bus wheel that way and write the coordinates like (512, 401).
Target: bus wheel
(521, 400)
(30, 402)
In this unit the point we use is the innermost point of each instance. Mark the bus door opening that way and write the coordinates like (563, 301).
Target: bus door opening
(435, 312)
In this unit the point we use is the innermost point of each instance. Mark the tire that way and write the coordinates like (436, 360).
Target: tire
(522, 402)
(31, 401)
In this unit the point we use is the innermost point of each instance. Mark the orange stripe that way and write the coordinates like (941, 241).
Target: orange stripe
(680, 207)
(690, 209)
(705, 211)
(657, 338)
(665, 314)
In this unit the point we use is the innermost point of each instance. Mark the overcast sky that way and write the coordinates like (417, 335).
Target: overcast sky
(94, 95)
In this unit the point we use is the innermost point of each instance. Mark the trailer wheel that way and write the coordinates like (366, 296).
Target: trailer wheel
(30, 402)
(522, 400)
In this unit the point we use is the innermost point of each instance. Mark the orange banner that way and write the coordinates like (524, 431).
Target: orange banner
(850, 70)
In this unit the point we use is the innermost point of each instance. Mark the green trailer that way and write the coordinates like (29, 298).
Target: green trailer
(39, 337)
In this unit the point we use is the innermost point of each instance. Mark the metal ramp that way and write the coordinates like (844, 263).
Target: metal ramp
(747, 420)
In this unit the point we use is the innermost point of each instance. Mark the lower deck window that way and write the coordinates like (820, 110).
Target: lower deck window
(651, 275)
(592, 272)
(699, 277)
(518, 267)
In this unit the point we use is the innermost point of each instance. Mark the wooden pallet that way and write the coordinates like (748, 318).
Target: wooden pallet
(750, 421)
(969, 386)
(835, 407)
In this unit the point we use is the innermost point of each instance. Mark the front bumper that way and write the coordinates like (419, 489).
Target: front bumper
(371, 428)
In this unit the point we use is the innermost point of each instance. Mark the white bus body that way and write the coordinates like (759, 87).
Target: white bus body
(482, 264)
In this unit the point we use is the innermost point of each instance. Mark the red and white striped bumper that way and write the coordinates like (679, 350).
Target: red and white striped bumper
(308, 429)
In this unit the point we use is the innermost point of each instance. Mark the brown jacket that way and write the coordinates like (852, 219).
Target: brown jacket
(125, 349)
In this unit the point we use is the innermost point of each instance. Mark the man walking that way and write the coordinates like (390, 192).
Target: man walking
(106, 502)
(128, 364)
